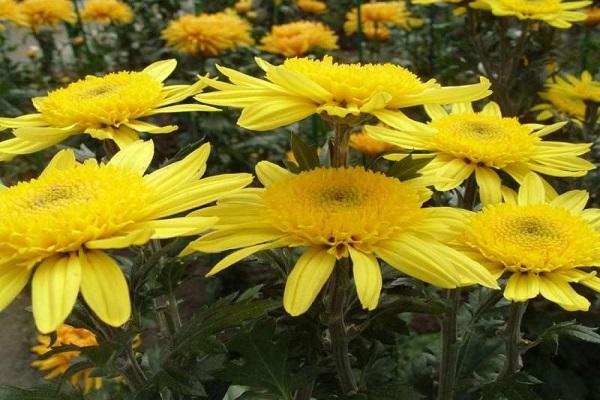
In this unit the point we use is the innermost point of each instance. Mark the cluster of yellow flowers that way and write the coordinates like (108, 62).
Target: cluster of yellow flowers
(377, 17)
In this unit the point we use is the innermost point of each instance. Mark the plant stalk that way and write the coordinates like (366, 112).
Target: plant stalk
(513, 363)
(449, 358)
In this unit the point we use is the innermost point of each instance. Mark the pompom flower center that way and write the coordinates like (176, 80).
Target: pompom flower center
(495, 142)
(341, 207)
(107, 101)
(534, 238)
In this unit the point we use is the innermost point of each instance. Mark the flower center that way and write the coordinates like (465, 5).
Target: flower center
(495, 142)
(534, 238)
(63, 209)
(106, 101)
(355, 84)
(340, 207)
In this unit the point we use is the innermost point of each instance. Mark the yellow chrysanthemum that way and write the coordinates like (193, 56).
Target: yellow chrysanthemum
(367, 145)
(339, 213)
(243, 6)
(312, 6)
(108, 107)
(107, 12)
(541, 245)
(58, 227)
(39, 13)
(298, 38)
(9, 11)
(303, 86)
(207, 34)
(466, 142)
(556, 13)
(377, 17)
(568, 97)
(57, 364)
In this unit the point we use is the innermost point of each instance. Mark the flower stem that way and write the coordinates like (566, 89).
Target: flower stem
(449, 357)
(513, 364)
(340, 145)
(337, 327)
(590, 120)
(135, 375)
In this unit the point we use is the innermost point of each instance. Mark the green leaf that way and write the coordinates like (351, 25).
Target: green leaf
(571, 328)
(264, 361)
(46, 391)
(407, 168)
(517, 387)
(306, 156)
(394, 391)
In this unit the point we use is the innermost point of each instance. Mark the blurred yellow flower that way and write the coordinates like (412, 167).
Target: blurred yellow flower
(39, 13)
(377, 17)
(556, 13)
(567, 97)
(540, 244)
(593, 16)
(207, 34)
(107, 12)
(298, 38)
(57, 364)
(304, 86)
(465, 142)
(312, 6)
(243, 6)
(340, 213)
(9, 11)
(367, 145)
(59, 226)
(109, 107)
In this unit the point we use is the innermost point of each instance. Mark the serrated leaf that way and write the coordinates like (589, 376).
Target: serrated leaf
(572, 329)
(264, 361)
(407, 168)
(305, 155)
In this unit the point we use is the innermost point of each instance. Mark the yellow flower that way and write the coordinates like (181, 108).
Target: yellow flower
(298, 38)
(39, 13)
(59, 363)
(312, 6)
(303, 86)
(369, 146)
(541, 245)
(243, 6)
(108, 107)
(107, 12)
(593, 16)
(466, 142)
(568, 97)
(556, 13)
(9, 11)
(58, 227)
(376, 17)
(207, 34)
(336, 213)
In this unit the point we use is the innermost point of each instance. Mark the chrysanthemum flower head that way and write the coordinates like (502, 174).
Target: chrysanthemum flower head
(107, 12)
(377, 17)
(109, 107)
(39, 13)
(364, 143)
(243, 6)
(303, 86)
(567, 97)
(299, 38)
(9, 11)
(208, 35)
(466, 142)
(336, 213)
(541, 245)
(312, 6)
(556, 13)
(59, 226)
(57, 364)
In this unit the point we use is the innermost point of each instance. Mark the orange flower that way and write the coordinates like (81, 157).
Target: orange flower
(298, 38)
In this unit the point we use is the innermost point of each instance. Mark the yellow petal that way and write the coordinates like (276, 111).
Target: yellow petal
(531, 190)
(104, 287)
(122, 241)
(557, 290)
(54, 290)
(489, 183)
(13, 279)
(227, 239)
(270, 174)
(377, 102)
(435, 111)
(64, 159)
(522, 286)
(141, 126)
(161, 70)
(367, 278)
(124, 136)
(182, 108)
(239, 255)
(574, 201)
(174, 227)
(492, 109)
(311, 272)
(135, 157)
(269, 115)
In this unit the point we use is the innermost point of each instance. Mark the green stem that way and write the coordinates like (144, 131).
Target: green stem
(585, 47)
(590, 121)
(46, 42)
(337, 328)
(449, 357)
(173, 317)
(512, 363)
(136, 378)
(359, 31)
(340, 145)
